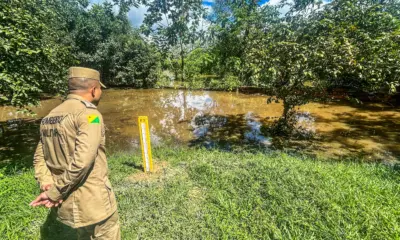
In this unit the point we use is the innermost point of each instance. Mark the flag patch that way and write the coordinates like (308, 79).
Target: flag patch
(93, 119)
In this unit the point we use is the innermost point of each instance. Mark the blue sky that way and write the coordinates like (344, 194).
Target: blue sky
(136, 15)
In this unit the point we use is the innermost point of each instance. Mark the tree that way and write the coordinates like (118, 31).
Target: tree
(235, 26)
(289, 70)
(364, 36)
(174, 24)
(346, 43)
(199, 61)
(102, 38)
(40, 40)
(127, 60)
(32, 60)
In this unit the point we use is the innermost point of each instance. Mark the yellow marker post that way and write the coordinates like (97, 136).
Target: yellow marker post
(145, 144)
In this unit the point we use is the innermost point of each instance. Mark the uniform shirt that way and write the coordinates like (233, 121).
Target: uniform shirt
(71, 156)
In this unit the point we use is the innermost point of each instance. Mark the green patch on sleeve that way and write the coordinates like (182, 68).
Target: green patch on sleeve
(93, 119)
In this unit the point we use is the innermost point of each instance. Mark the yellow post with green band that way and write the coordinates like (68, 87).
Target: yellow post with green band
(145, 143)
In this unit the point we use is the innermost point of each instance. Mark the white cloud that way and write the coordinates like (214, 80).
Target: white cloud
(136, 15)
(204, 23)
(283, 10)
(273, 2)
(208, 8)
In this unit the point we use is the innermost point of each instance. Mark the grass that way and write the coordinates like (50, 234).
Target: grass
(200, 194)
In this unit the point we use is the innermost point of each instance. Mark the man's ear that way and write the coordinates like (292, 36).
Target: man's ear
(93, 91)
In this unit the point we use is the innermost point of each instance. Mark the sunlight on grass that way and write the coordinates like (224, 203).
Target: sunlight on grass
(212, 194)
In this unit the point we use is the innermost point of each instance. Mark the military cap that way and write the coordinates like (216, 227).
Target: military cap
(80, 72)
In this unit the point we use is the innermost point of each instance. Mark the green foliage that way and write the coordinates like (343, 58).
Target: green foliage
(199, 61)
(105, 40)
(179, 33)
(17, 219)
(290, 68)
(235, 26)
(231, 82)
(166, 79)
(40, 40)
(297, 57)
(362, 42)
(126, 60)
(32, 60)
(315, 47)
(345, 44)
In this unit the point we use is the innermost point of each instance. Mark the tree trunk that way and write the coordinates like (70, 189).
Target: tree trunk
(182, 63)
(286, 110)
(183, 66)
(285, 124)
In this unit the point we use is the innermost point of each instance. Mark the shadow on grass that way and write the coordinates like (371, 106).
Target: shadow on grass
(53, 229)
(133, 165)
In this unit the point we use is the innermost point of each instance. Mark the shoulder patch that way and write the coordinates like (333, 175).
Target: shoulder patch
(89, 104)
(93, 118)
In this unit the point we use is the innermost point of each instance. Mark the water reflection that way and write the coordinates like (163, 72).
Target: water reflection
(187, 100)
(218, 119)
(18, 142)
(254, 133)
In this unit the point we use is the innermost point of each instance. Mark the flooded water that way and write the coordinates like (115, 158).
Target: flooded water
(219, 119)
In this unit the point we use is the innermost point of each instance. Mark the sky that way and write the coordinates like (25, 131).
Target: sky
(136, 15)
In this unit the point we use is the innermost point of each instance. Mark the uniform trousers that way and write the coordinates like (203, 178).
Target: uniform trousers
(107, 229)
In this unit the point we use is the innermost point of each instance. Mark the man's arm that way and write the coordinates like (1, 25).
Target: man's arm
(42, 172)
(86, 146)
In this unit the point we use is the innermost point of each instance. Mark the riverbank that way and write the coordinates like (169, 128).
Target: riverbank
(333, 93)
(197, 193)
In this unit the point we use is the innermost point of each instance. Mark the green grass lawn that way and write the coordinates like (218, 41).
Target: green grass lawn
(200, 194)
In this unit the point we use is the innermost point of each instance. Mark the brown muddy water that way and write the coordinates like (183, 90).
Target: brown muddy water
(222, 120)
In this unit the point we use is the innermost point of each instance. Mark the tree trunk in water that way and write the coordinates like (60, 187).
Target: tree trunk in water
(287, 114)
(285, 123)
(183, 108)
(286, 110)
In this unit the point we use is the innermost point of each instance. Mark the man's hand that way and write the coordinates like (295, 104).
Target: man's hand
(43, 199)
(46, 187)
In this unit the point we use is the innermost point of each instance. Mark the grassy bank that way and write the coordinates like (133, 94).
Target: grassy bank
(201, 194)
